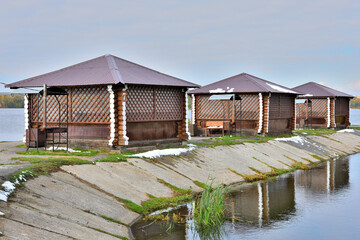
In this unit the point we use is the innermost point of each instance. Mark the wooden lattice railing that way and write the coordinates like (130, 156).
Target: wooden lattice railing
(318, 109)
(86, 105)
(246, 109)
(149, 103)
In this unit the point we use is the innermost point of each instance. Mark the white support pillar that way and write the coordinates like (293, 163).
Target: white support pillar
(261, 205)
(193, 109)
(112, 114)
(26, 114)
(186, 115)
(328, 113)
(295, 114)
(268, 117)
(334, 112)
(260, 113)
(126, 138)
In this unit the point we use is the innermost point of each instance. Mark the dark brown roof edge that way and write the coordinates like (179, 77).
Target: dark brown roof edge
(190, 83)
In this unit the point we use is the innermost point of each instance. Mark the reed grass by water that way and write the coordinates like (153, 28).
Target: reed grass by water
(210, 208)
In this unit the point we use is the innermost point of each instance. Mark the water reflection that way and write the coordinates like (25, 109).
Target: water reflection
(263, 203)
(255, 208)
(324, 179)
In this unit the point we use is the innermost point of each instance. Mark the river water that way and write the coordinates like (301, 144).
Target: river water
(12, 126)
(321, 203)
(12, 122)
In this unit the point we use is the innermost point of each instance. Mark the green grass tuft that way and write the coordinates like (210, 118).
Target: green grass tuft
(200, 184)
(83, 152)
(175, 188)
(115, 157)
(156, 203)
(29, 159)
(318, 157)
(114, 235)
(209, 210)
(131, 205)
(300, 165)
(113, 220)
(48, 165)
(315, 131)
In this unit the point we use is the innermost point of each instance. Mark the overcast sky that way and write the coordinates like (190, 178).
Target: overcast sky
(287, 42)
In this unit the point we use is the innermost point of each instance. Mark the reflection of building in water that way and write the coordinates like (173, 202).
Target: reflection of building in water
(263, 202)
(333, 175)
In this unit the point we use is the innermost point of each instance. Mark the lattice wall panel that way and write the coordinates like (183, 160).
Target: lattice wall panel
(169, 103)
(90, 105)
(246, 109)
(318, 110)
(148, 103)
(249, 107)
(300, 110)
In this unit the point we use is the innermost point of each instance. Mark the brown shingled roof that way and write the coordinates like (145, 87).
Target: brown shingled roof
(313, 89)
(103, 70)
(243, 83)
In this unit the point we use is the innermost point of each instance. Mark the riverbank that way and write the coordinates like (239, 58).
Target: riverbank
(94, 200)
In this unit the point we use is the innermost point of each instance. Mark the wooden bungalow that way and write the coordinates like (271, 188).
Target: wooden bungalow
(244, 104)
(321, 107)
(111, 102)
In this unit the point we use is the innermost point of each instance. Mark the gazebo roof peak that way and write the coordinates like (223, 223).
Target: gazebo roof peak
(313, 89)
(103, 70)
(243, 83)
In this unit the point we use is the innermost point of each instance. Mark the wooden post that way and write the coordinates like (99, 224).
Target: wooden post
(70, 104)
(44, 106)
(332, 113)
(123, 140)
(266, 106)
(293, 118)
(233, 112)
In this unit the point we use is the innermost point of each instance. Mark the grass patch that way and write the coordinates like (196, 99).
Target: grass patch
(113, 220)
(255, 177)
(131, 205)
(156, 203)
(29, 159)
(20, 145)
(200, 184)
(318, 157)
(357, 127)
(236, 172)
(2, 150)
(300, 165)
(83, 152)
(47, 166)
(114, 235)
(174, 188)
(115, 157)
(209, 211)
(306, 159)
(232, 140)
(315, 131)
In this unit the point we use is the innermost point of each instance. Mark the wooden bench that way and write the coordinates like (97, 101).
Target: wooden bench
(210, 125)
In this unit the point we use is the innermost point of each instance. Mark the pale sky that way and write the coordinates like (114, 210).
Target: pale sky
(287, 42)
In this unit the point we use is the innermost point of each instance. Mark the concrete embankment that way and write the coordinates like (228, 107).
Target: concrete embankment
(82, 201)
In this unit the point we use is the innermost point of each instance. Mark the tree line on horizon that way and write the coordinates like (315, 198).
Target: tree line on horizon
(12, 101)
(355, 103)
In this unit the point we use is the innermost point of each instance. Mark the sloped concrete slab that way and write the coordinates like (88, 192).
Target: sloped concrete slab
(26, 215)
(80, 197)
(69, 213)
(164, 173)
(16, 230)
